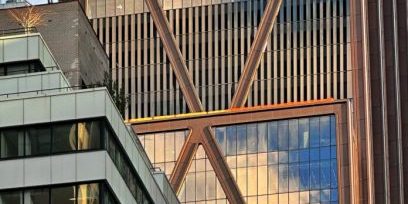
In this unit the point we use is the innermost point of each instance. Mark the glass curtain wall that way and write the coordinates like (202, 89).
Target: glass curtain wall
(283, 162)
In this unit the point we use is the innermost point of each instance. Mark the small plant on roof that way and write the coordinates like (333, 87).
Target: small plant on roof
(29, 16)
(117, 93)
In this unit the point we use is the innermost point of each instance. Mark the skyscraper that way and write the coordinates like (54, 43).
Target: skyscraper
(308, 48)
(229, 148)
(306, 106)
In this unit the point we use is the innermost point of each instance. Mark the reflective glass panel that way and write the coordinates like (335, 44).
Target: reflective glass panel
(37, 196)
(283, 161)
(293, 134)
(272, 136)
(12, 143)
(252, 138)
(38, 141)
(283, 135)
(88, 194)
(11, 197)
(231, 140)
(64, 138)
(303, 133)
(220, 136)
(314, 132)
(63, 195)
(241, 139)
(262, 137)
(89, 135)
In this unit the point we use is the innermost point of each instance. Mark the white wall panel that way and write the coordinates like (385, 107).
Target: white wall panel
(63, 107)
(29, 83)
(63, 169)
(52, 81)
(11, 113)
(37, 110)
(37, 171)
(11, 174)
(90, 166)
(15, 49)
(8, 86)
(90, 104)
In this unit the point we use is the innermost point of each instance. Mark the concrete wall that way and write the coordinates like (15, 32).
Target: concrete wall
(71, 40)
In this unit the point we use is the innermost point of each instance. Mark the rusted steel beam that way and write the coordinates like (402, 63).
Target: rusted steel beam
(256, 53)
(176, 58)
(220, 166)
(184, 161)
(238, 117)
(193, 101)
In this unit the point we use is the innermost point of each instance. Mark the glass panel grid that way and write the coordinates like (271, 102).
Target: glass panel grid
(288, 168)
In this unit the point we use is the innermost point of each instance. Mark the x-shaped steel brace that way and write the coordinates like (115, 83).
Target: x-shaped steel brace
(203, 134)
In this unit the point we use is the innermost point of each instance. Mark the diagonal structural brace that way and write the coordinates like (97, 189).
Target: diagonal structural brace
(256, 53)
(224, 175)
(175, 56)
(220, 167)
(184, 161)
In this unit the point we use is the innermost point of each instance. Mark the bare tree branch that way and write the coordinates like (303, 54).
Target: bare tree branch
(29, 16)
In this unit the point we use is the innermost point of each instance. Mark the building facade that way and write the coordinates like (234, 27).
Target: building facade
(324, 119)
(61, 145)
(307, 55)
(290, 142)
(293, 101)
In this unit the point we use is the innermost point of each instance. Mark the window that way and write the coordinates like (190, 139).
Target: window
(299, 165)
(2, 71)
(252, 138)
(36, 196)
(14, 197)
(241, 139)
(12, 143)
(231, 140)
(63, 195)
(38, 141)
(272, 136)
(220, 136)
(89, 135)
(88, 194)
(68, 137)
(44, 139)
(63, 138)
(262, 137)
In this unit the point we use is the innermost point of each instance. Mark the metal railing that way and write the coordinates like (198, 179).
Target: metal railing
(16, 31)
(52, 90)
